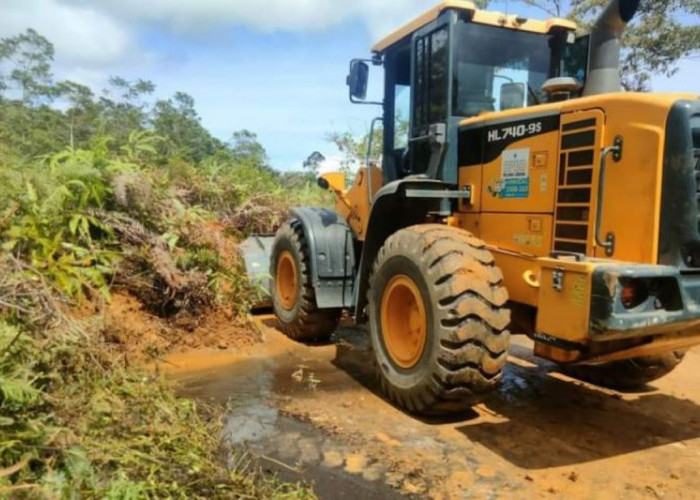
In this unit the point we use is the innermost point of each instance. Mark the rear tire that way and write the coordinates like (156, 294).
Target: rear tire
(628, 374)
(293, 296)
(462, 300)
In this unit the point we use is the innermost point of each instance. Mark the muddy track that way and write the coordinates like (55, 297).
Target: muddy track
(316, 413)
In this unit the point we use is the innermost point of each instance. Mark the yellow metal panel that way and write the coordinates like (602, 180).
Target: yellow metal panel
(354, 205)
(420, 21)
(469, 222)
(542, 162)
(523, 233)
(488, 18)
(631, 204)
(517, 268)
(516, 241)
(555, 354)
(622, 102)
(471, 176)
(564, 314)
(557, 22)
(335, 180)
(632, 196)
(511, 21)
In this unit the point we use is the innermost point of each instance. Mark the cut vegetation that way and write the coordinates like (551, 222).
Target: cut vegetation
(102, 207)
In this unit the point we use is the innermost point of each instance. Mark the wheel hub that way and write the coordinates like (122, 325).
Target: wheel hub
(287, 280)
(404, 322)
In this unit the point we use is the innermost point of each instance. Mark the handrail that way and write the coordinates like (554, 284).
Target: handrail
(370, 192)
(609, 242)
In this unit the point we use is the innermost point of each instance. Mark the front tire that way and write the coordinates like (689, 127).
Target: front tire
(293, 296)
(627, 374)
(437, 319)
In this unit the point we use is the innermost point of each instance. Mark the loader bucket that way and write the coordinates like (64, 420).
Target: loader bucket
(256, 252)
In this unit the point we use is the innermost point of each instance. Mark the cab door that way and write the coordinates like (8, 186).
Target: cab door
(431, 97)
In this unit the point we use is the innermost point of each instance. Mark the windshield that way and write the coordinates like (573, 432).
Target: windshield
(498, 69)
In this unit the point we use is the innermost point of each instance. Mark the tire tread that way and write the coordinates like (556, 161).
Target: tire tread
(471, 310)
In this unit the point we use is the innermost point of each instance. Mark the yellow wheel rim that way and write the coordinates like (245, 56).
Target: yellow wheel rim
(404, 323)
(287, 280)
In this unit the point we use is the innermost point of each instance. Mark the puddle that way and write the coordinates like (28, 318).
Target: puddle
(250, 420)
(292, 449)
(315, 414)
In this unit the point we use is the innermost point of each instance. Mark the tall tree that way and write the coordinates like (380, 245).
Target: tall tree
(246, 148)
(29, 57)
(125, 107)
(26, 82)
(179, 123)
(81, 118)
(6, 49)
(313, 162)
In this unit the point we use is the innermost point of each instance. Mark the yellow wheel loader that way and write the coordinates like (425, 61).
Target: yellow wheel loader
(519, 191)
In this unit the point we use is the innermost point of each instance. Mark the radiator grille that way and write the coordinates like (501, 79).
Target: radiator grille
(572, 217)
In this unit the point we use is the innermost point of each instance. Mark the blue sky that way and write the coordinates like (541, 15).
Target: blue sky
(276, 68)
(287, 87)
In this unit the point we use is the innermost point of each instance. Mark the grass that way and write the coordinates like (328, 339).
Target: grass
(79, 423)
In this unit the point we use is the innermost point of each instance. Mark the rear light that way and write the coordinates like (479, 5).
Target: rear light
(634, 293)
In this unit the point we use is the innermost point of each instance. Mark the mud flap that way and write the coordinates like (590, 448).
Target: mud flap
(256, 252)
(331, 255)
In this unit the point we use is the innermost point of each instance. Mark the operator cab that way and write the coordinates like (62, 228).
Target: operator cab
(456, 62)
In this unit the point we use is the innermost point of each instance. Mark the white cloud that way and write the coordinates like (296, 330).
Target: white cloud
(96, 34)
(270, 15)
(80, 35)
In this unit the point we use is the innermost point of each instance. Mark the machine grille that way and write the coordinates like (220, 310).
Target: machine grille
(572, 218)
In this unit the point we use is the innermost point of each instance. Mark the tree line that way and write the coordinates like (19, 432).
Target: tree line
(39, 115)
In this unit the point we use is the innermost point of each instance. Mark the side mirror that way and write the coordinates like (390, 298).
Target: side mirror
(357, 80)
(512, 96)
(332, 181)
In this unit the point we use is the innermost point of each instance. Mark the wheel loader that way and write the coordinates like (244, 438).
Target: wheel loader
(519, 190)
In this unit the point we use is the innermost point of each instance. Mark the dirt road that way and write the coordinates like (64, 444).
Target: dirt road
(315, 413)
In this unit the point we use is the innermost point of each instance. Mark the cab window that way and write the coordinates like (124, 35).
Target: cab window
(431, 78)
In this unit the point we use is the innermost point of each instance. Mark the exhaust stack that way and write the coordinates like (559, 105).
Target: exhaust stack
(604, 67)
